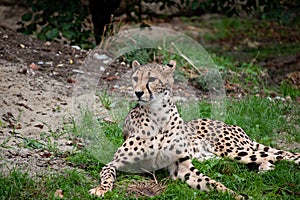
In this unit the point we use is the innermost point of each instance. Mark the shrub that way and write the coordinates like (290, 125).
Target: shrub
(61, 20)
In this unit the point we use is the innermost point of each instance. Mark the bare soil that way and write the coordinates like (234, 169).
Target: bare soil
(35, 100)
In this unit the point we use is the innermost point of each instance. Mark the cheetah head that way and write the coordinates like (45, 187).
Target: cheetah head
(152, 82)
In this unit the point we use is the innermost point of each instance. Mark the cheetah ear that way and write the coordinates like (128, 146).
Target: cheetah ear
(135, 64)
(172, 64)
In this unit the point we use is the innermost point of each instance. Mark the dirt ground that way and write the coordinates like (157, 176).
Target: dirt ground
(35, 98)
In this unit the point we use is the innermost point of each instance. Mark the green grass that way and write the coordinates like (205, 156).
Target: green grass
(20, 185)
(282, 183)
(286, 89)
(266, 120)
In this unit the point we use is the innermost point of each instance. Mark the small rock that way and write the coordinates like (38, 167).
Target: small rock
(100, 57)
(59, 194)
(33, 66)
(49, 63)
(55, 73)
(77, 71)
(76, 47)
(102, 68)
(47, 43)
(71, 80)
(288, 98)
(279, 98)
(106, 62)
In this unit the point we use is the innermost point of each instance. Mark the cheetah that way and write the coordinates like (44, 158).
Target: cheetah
(157, 137)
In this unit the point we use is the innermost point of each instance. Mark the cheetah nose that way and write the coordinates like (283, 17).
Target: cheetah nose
(139, 94)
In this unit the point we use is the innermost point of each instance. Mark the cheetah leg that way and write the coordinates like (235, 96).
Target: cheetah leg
(265, 160)
(185, 171)
(107, 176)
(284, 155)
(126, 158)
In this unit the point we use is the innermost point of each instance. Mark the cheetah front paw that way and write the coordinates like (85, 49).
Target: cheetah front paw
(98, 191)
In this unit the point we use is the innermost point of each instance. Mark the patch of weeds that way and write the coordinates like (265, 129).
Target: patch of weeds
(4, 143)
(265, 120)
(52, 145)
(85, 160)
(105, 100)
(283, 182)
(54, 134)
(91, 128)
(18, 185)
(49, 144)
(99, 138)
(180, 190)
(50, 140)
(242, 39)
(50, 21)
(194, 110)
(265, 51)
(32, 143)
(113, 132)
(250, 77)
(287, 89)
(2, 124)
(73, 183)
(57, 109)
(144, 56)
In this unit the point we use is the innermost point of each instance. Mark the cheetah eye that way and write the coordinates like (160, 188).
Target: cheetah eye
(151, 79)
(135, 78)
